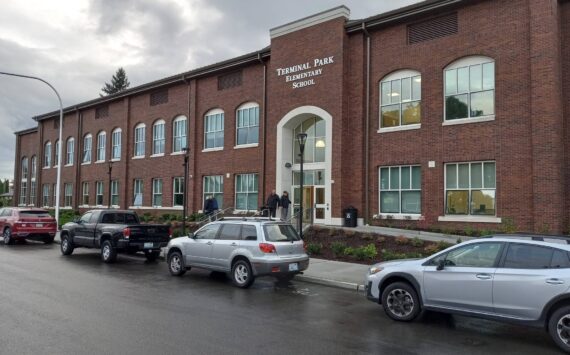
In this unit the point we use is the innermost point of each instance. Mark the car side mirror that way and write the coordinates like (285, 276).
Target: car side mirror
(440, 265)
(77, 220)
(192, 236)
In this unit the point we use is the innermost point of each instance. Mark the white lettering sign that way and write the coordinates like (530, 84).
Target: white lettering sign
(300, 75)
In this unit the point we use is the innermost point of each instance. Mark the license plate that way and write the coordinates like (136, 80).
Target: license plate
(148, 245)
(294, 267)
(39, 225)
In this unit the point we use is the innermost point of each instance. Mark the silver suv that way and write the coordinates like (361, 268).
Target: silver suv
(515, 278)
(245, 248)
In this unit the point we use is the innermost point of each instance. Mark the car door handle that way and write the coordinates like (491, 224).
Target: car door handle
(483, 276)
(554, 281)
(209, 243)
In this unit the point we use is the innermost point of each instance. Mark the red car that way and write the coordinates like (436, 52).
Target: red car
(26, 223)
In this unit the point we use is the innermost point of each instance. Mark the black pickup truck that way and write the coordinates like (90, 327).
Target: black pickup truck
(114, 231)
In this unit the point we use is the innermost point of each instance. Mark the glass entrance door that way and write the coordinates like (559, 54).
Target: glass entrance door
(320, 204)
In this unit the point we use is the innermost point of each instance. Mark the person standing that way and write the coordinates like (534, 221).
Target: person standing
(208, 206)
(214, 204)
(272, 203)
(285, 202)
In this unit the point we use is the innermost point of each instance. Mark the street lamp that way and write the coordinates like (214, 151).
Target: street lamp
(186, 151)
(58, 179)
(110, 170)
(301, 138)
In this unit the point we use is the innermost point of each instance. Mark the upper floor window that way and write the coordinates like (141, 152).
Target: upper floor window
(116, 142)
(470, 88)
(470, 188)
(101, 144)
(315, 145)
(179, 134)
(248, 124)
(47, 155)
(34, 167)
(87, 142)
(24, 168)
(139, 140)
(158, 138)
(56, 153)
(400, 101)
(214, 129)
(70, 151)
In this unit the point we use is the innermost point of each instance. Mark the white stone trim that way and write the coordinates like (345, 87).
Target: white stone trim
(468, 120)
(115, 160)
(157, 155)
(99, 161)
(400, 216)
(407, 127)
(217, 149)
(250, 145)
(86, 163)
(138, 157)
(471, 219)
(177, 153)
(340, 11)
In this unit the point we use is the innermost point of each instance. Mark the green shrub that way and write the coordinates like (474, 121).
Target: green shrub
(388, 255)
(367, 252)
(176, 233)
(314, 248)
(441, 245)
(508, 225)
(338, 248)
(417, 242)
(348, 251)
(469, 231)
(401, 240)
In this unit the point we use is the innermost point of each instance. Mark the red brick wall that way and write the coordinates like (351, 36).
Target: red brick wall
(28, 147)
(565, 55)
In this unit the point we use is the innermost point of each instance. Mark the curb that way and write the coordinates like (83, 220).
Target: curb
(331, 283)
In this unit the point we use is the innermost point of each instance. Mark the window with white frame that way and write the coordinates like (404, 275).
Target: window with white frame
(138, 192)
(33, 185)
(101, 144)
(54, 194)
(246, 192)
(139, 140)
(247, 124)
(85, 194)
(115, 193)
(45, 195)
(87, 146)
(470, 88)
(70, 151)
(158, 137)
(47, 155)
(401, 189)
(68, 189)
(400, 99)
(315, 144)
(179, 127)
(24, 182)
(470, 188)
(214, 186)
(99, 193)
(56, 154)
(214, 129)
(157, 192)
(178, 191)
(116, 142)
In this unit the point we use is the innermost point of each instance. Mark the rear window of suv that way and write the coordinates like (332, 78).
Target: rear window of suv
(524, 256)
(280, 233)
(34, 214)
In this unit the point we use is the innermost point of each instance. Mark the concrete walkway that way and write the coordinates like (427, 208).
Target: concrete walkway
(408, 233)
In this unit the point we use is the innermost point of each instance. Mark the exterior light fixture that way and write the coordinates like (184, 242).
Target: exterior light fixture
(301, 139)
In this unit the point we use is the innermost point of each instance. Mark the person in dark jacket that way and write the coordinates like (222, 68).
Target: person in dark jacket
(214, 205)
(208, 206)
(285, 202)
(272, 203)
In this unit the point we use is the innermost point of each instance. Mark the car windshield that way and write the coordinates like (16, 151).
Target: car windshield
(34, 214)
(280, 233)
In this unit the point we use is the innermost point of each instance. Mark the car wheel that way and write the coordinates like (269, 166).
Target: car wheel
(66, 245)
(176, 264)
(48, 240)
(559, 328)
(8, 236)
(400, 302)
(242, 276)
(108, 253)
(152, 255)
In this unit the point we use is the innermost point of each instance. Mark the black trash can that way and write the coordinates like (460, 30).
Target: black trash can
(350, 215)
(264, 211)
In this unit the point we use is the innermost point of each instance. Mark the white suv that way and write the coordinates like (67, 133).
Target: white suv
(244, 247)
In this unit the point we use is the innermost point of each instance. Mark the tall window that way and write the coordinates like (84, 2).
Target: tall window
(139, 139)
(24, 182)
(158, 139)
(87, 143)
(115, 193)
(246, 192)
(85, 194)
(470, 88)
(178, 191)
(315, 128)
(47, 155)
(101, 144)
(33, 185)
(248, 124)
(214, 186)
(179, 134)
(45, 195)
(400, 100)
(157, 192)
(99, 193)
(54, 194)
(470, 188)
(68, 189)
(56, 154)
(400, 189)
(70, 151)
(138, 192)
(214, 129)
(116, 141)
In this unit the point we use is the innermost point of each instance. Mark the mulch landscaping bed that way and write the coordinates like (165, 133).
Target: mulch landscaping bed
(365, 248)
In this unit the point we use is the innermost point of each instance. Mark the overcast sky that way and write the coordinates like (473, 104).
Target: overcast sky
(77, 45)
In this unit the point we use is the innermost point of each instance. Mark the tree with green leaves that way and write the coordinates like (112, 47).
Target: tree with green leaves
(119, 82)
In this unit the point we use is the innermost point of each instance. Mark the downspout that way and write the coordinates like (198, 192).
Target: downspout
(367, 129)
(264, 150)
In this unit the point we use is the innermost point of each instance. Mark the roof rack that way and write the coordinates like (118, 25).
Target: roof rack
(250, 218)
(532, 236)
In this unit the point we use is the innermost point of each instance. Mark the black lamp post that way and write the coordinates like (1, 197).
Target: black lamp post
(301, 138)
(110, 170)
(186, 151)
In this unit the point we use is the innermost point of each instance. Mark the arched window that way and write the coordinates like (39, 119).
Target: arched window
(139, 139)
(214, 129)
(70, 151)
(24, 182)
(56, 153)
(101, 144)
(87, 146)
(400, 99)
(116, 141)
(179, 127)
(33, 174)
(315, 128)
(47, 154)
(158, 137)
(470, 89)
(247, 124)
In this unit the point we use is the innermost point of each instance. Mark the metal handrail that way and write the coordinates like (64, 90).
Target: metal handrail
(214, 216)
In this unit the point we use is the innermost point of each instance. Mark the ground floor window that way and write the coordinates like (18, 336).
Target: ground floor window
(23, 192)
(45, 195)
(400, 189)
(138, 192)
(246, 192)
(33, 187)
(178, 191)
(54, 194)
(157, 192)
(99, 193)
(85, 194)
(114, 193)
(214, 186)
(470, 188)
(68, 189)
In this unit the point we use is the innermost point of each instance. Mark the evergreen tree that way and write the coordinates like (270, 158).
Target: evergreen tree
(119, 82)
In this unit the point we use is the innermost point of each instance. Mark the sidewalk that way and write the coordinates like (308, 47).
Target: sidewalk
(335, 273)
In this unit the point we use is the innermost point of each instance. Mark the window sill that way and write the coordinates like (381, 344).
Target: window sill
(67, 165)
(99, 162)
(400, 216)
(400, 128)
(470, 219)
(177, 153)
(138, 157)
(469, 120)
(157, 155)
(251, 145)
(217, 149)
(87, 163)
(115, 160)
(46, 167)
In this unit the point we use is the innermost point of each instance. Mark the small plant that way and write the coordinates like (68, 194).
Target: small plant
(332, 232)
(459, 241)
(367, 252)
(177, 233)
(349, 233)
(348, 251)
(447, 231)
(338, 248)
(431, 249)
(469, 231)
(484, 232)
(367, 236)
(401, 240)
(314, 248)
(441, 245)
(388, 255)
(417, 242)
(508, 226)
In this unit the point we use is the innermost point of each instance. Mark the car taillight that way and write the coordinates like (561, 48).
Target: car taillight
(170, 232)
(267, 248)
(127, 232)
